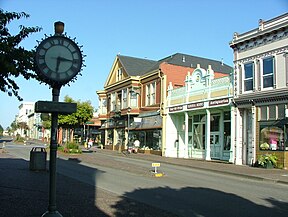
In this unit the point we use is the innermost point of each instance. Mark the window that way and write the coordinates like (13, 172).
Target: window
(214, 123)
(272, 138)
(125, 104)
(268, 72)
(113, 101)
(249, 76)
(281, 111)
(133, 99)
(151, 94)
(199, 131)
(119, 74)
(263, 111)
(103, 106)
(272, 112)
(119, 100)
(148, 94)
(227, 130)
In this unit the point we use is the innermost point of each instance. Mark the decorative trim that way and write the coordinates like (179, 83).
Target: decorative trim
(263, 55)
(259, 41)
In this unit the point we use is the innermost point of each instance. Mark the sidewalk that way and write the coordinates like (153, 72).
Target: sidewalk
(244, 171)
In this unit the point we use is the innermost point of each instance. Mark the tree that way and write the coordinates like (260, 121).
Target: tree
(14, 59)
(83, 114)
(1, 129)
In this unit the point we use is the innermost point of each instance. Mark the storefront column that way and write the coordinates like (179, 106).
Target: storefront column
(106, 138)
(115, 138)
(253, 128)
(239, 140)
(233, 134)
(207, 136)
(186, 135)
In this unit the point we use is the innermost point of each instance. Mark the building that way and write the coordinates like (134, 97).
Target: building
(22, 118)
(35, 125)
(260, 91)
(199, 116)
(133, 102)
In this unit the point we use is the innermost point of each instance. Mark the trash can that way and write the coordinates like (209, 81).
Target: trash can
(38, 159)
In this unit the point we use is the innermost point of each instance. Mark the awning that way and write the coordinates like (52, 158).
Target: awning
(150, 122)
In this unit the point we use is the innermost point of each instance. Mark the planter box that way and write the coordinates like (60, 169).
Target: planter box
(155, 152)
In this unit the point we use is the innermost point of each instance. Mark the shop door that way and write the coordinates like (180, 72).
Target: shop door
(215, 145)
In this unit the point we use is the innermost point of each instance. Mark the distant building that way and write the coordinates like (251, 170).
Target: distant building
(22, 118)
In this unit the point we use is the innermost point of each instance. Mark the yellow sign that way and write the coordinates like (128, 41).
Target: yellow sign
(155, 164)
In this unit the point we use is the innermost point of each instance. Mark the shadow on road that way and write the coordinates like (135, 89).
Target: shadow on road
(199, 202)
(25, 193)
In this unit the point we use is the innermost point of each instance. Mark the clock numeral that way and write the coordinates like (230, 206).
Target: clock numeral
(61, 42)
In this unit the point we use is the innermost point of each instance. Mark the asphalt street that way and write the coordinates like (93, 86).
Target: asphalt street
(184, 190)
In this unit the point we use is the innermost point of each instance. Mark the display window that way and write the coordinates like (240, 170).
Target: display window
(273, 138)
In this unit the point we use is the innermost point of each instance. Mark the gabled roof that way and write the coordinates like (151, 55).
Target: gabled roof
(192, 61)
(136, 66)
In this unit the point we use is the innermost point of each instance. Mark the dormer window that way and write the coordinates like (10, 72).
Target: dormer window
(119, 74)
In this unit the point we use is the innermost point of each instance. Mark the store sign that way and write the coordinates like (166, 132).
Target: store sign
(176, 108)
(218, 102)
(195, 105)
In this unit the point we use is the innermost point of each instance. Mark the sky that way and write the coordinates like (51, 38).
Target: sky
(152, 29)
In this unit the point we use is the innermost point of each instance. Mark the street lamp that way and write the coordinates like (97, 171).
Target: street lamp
(128, 123)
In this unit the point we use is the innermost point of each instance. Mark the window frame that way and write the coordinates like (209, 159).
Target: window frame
(269, 74)
(248, 79)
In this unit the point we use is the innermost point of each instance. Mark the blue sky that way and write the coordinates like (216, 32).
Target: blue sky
(151, 29)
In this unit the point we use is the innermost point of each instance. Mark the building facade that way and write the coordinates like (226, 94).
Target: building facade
(260, 91)
(199, 117)
(22, 118)
(133, 102)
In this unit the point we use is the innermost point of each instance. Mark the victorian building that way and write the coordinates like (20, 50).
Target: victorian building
(199, 116)
(133, 102)
(261, 91)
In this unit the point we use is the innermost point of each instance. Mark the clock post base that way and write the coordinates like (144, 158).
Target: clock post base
(52, 214)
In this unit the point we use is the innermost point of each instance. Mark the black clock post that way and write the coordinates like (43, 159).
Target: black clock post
(58, 60)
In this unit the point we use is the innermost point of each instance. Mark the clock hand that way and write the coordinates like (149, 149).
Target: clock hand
(65, 59)
(58, 63)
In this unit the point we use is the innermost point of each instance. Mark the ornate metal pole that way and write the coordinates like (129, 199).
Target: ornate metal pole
(52, 211)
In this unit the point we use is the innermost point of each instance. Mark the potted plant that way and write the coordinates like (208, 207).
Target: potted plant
(268, 161)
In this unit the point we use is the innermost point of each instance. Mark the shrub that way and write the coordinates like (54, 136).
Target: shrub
(71, 148)
(266, 159)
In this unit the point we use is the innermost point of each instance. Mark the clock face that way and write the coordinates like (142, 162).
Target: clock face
(58, 59)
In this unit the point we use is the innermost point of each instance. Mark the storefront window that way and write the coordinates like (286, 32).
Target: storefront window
(227, 135)
(199, 136)
(149, 139)
(110, 137)
(227, 130)
(272, 138)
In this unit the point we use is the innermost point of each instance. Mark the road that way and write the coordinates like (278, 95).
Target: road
(182, 191)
